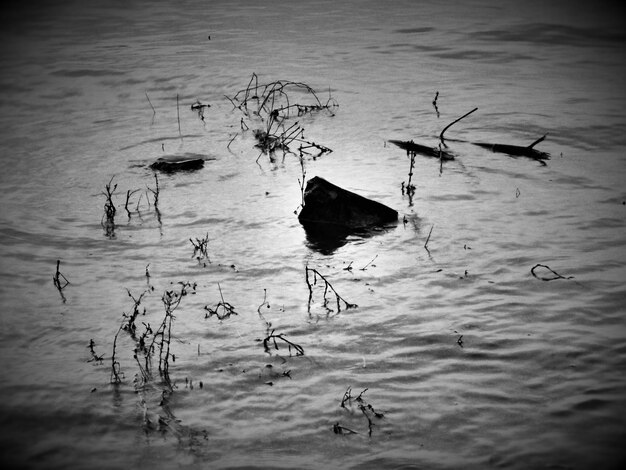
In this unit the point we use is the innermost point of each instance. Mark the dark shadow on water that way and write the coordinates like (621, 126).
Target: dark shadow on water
(327, 238)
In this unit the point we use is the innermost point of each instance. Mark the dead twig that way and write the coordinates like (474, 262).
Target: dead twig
(222, 310)
(453, 122)
(178, 117)
(272, 104)
(200, 248)
(339, 429)
(200, 108)
(129, 193)
(94, 357)
(108, 219)
(60, 281)
(327, 285)
(58, 277)
(155, 195)
(368, 411)
(272, 338)
(428, 237)
(552, 278)
(370, 262)
(150, 102)
(435, 104)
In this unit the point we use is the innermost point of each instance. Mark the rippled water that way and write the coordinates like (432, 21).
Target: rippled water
(474, 362)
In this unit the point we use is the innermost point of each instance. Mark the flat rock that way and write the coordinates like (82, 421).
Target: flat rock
(184, 162)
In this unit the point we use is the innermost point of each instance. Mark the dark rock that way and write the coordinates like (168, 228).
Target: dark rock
(175, 163)
(329, 205)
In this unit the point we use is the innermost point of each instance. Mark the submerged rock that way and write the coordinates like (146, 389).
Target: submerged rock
(174, 163)
(327, 204)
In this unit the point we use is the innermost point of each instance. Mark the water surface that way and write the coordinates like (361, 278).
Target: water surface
(473, 361)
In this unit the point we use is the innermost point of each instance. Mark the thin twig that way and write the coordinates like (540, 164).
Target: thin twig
(150, 102)
(273, 337)
(428, 238)
(556, 275)
(453, 122)
(371, 261)
(129, 193)
(435, 103)
(231, 140)
(327, 285)
(178, 117)
(227, 308)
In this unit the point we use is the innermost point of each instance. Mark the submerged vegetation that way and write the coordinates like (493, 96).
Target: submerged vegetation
(348, 402)
(200, 247)
(222, 310)
(268, 110)
(108, 218)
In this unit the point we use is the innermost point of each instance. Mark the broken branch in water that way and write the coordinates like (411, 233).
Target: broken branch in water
(231, 140)
(437, 152)
(94, 357)
(200, 108)
(150, 102)
(265, 304)
(222, 310)
(366, 409)
(410, 188)
(129, 193)
(57, 278)
(200, 248)
(327, 285)
(273, 337)
(339, 429)
(301, 183)
(556, 275)
(450, 125)
(108, 219)
(274, 106)
(428, 237)
(178, 117)
(155, 194)
(519, 151)
(418, 149)
(371, 261)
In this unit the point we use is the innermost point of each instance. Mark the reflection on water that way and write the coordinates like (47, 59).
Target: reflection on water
(327, 238)
(473, 361)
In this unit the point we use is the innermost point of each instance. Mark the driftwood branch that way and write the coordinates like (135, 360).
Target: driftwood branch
(451, 124)
(417, 149)
(540, 139)
(518, 150)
